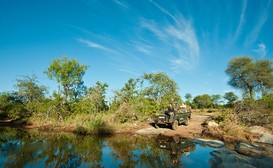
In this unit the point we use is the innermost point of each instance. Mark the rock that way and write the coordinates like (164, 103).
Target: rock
(211, 143)
(248, 149)
(227, 158)
(151, 131)
(212, 124)
(265, 135)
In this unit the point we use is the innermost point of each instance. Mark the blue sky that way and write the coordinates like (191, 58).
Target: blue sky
(191, 40)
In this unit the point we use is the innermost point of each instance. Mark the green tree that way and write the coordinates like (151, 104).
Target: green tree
(231, 98)
(161, 89)
(188, 97)
(216, 99)
(203, 101)
(129, 91)
(12, 106)
(29, 90)
(96, 96)
(68, 73)
(250, 75)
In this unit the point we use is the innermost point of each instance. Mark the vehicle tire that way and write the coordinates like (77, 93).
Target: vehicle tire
(187, 122)
(175, 125)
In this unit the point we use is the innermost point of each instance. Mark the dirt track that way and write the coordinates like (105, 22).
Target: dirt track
(193, 130)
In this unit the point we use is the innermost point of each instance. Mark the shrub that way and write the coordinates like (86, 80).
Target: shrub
(80, 130)
(251, 112)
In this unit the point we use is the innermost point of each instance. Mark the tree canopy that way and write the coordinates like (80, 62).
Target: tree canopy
(231, 98)
(29, 90)
(250, 75)
(68, 73)
(203, 101)
(161, 88)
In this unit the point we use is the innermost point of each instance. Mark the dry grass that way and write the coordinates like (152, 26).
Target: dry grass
(230, 131)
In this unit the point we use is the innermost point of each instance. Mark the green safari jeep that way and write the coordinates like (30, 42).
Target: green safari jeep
(173, 120)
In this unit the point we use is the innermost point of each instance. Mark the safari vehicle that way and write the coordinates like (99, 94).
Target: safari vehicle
(173, 119)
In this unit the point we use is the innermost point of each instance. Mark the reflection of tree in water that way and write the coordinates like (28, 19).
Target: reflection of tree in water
(60, 150)
(123, 148)
(22, 148)
(147, 152)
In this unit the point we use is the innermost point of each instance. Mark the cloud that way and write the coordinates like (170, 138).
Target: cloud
(177, 40)
(153, 27)
(130, 72)
(122, 4)
(186, 44)
(143, 48)
(262, 50)
(256, 30)
(163, 10)
(95, 45)
(241, 22)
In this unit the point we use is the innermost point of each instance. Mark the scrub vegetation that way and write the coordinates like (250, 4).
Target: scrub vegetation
(88, 110)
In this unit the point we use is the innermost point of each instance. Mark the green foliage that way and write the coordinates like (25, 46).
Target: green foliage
(93, 101)
(203, 101)
(29, 90)
(68, 73)
(161, 89)
(250, 75)
(188, 97)
(231, 98)
(216, 99)
(225, 115)
(12, 106)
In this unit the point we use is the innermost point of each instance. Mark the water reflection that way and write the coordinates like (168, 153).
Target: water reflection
(176, 146)
(21, 148)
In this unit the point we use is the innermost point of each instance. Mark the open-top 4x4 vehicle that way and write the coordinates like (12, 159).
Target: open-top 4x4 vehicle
(173, 119)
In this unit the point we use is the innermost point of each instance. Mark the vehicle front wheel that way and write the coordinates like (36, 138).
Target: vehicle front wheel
(175, 125)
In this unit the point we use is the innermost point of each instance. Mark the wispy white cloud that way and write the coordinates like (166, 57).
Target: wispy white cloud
(130, 72)
(176, 40)
(143, 48)
(256, 30)
(153, 27)
(241, 22)
(262, 50)
(122, 4)
(91, 44)
(186, 44)
(163, 10)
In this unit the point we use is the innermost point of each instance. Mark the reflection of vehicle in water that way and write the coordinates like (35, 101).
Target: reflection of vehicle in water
(176, 145)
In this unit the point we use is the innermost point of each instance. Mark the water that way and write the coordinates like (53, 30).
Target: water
(25, 148)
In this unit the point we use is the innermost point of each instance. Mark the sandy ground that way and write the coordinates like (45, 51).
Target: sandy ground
(193, 130)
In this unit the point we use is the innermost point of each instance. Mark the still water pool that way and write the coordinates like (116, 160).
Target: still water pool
(31, 148)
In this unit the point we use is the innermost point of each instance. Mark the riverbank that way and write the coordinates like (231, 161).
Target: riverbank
(198, 128)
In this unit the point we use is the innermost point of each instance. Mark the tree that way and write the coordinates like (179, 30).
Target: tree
(29, 90)
(216, 99)
(203, 101)
(188, 97)
(96, 96)
(250, 75)
(12, 106)
(231, 98)
(161, 89)
(68, 73)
